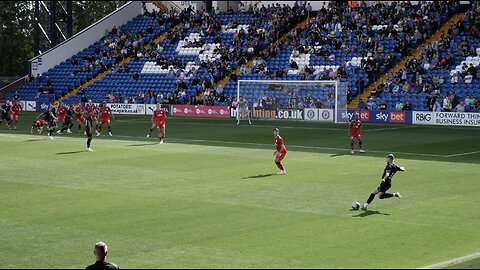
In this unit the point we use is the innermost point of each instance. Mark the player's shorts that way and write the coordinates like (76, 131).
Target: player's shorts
(52, 123)
(384, 186)
(89, 132)
(355, 135)
(240, 110)
(61, 117)
(14, 116)
(82, 119)
(281, 156)
(5, 117)
(67, 120)
(158, 125)
(103, 121)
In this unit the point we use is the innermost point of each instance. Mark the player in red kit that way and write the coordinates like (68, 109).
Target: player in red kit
(14, 111)
(158, 120)
(90, 107)
(79, 112)
(39, 125)
(280, 152)
(61, 115)
(354, 132)
(104, 118)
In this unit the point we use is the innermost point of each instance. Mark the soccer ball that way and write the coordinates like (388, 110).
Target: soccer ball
(355, 205)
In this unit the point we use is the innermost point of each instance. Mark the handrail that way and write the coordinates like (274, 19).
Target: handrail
(178, 8)
(12, 83)
(9, 87)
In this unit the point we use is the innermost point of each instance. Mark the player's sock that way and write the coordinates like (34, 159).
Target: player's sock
(279, 165)
(50, 132)
(109, 129)
(386, 195)
(100, 129)
(370, 199)
(150, 132)
(360, 144)
(161, 138)
(351, 145)
(16, 122)
(71, 125)
(9, 122)
(88, 143)
(96, 127)
(79, 127)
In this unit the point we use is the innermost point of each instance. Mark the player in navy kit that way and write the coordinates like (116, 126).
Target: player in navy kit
(52, 119)
(5, 109)
(89, 128)
(68, 121)
(386, 183)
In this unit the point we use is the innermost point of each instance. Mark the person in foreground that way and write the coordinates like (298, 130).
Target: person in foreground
(386, 183)
(280, 152)
(101, 253)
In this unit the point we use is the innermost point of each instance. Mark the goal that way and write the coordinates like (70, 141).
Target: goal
(283, 99)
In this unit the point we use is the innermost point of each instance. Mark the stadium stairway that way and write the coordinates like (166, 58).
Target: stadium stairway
(364, 96)
(100, 76)
(249, 63)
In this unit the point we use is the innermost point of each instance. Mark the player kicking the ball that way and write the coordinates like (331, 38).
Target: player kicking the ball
(280, 152)
(354, 132)
(386, 183)
(158, 120)
(104, 111)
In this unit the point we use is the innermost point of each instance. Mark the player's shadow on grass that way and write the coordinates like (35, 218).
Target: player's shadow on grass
(34, 140)
(68, 153)
(141, 144)
(369, 213)
(259, 176)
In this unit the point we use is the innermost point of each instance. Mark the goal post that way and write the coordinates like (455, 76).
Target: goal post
(290, 99)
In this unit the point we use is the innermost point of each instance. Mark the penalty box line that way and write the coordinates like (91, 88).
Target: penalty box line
(452, 261)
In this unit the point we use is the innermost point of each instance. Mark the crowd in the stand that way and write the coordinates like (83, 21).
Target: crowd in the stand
(437, 56)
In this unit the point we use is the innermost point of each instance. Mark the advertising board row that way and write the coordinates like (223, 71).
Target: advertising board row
(402, 117)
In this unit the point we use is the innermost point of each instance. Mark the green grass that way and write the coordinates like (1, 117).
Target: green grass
(210, 197)
(472, 264)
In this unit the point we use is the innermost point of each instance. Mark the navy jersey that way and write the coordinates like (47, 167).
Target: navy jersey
(69, 113)
(391, 169)
(54, 111)
(6, 108)
(89, 120)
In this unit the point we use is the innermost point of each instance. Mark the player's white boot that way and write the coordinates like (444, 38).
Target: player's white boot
(238, 122)
(69, 131)
(397, 194)
(89, 150)
(362, 151)
(110, 133)
(365, 206)
(59, 132)
(50, 137)
(148, 135)
(353, 152)
(161, 141)
(98, 133)
(282, 172)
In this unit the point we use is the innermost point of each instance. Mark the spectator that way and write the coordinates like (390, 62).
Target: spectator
(454, 79)
(469, 102)
(136, 76)
(101, 253)
(361, 105)
(468, 78)
(447, 104)
(16, 97)
(460, 107)
(112, 98)
(382, 106)
(318, 104)
(370, 104)
(84, 98)
(437, 107)
(407, 106)
(399, 106)
(141, 97)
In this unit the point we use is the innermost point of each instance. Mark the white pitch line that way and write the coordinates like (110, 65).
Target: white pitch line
(463, 154)
(452, 262)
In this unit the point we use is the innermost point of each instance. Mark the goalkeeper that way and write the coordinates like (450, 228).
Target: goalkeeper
(242, 106)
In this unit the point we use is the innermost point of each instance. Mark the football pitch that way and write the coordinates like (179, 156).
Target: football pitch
(209, 197)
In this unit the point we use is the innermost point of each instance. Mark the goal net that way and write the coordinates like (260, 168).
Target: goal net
(297, 100)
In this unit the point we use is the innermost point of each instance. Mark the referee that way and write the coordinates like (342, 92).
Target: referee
(101, 253)
(88, 129)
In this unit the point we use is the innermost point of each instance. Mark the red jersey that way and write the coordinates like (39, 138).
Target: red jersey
(90, 108)
(40, 122)
(104, 111)
(61, 112)
(15, 108)
(159, 116)
(79, 111)
(278, 144)
(355, 127)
